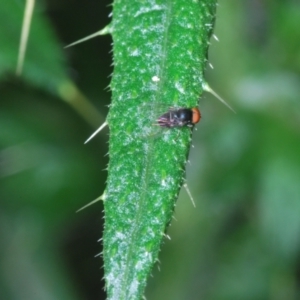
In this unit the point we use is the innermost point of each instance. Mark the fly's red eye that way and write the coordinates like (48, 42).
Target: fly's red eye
(196, 115)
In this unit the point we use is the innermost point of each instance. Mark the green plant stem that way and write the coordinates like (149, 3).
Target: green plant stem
(160, 50)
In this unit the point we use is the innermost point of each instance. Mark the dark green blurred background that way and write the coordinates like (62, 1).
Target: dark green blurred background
(242, 241)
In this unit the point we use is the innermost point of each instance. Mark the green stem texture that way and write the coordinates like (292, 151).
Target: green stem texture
(160, 52)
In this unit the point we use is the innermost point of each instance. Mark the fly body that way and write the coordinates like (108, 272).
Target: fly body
(179, 117)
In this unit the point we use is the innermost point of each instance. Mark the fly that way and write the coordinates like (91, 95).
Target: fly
(179, 117)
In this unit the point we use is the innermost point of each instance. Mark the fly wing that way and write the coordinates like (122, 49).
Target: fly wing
(151, 118)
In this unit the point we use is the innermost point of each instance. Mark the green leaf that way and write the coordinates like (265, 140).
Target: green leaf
(44, 64)
(160, 52)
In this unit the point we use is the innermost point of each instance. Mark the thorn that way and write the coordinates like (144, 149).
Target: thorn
(106, 30)
(102, 197)
(189, 194)
(208, 89)
(25, 34)
(211, 66)
(97, 131)
(167, 236)
(215, 37)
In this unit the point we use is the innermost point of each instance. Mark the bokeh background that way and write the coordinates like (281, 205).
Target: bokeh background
(242, 241)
